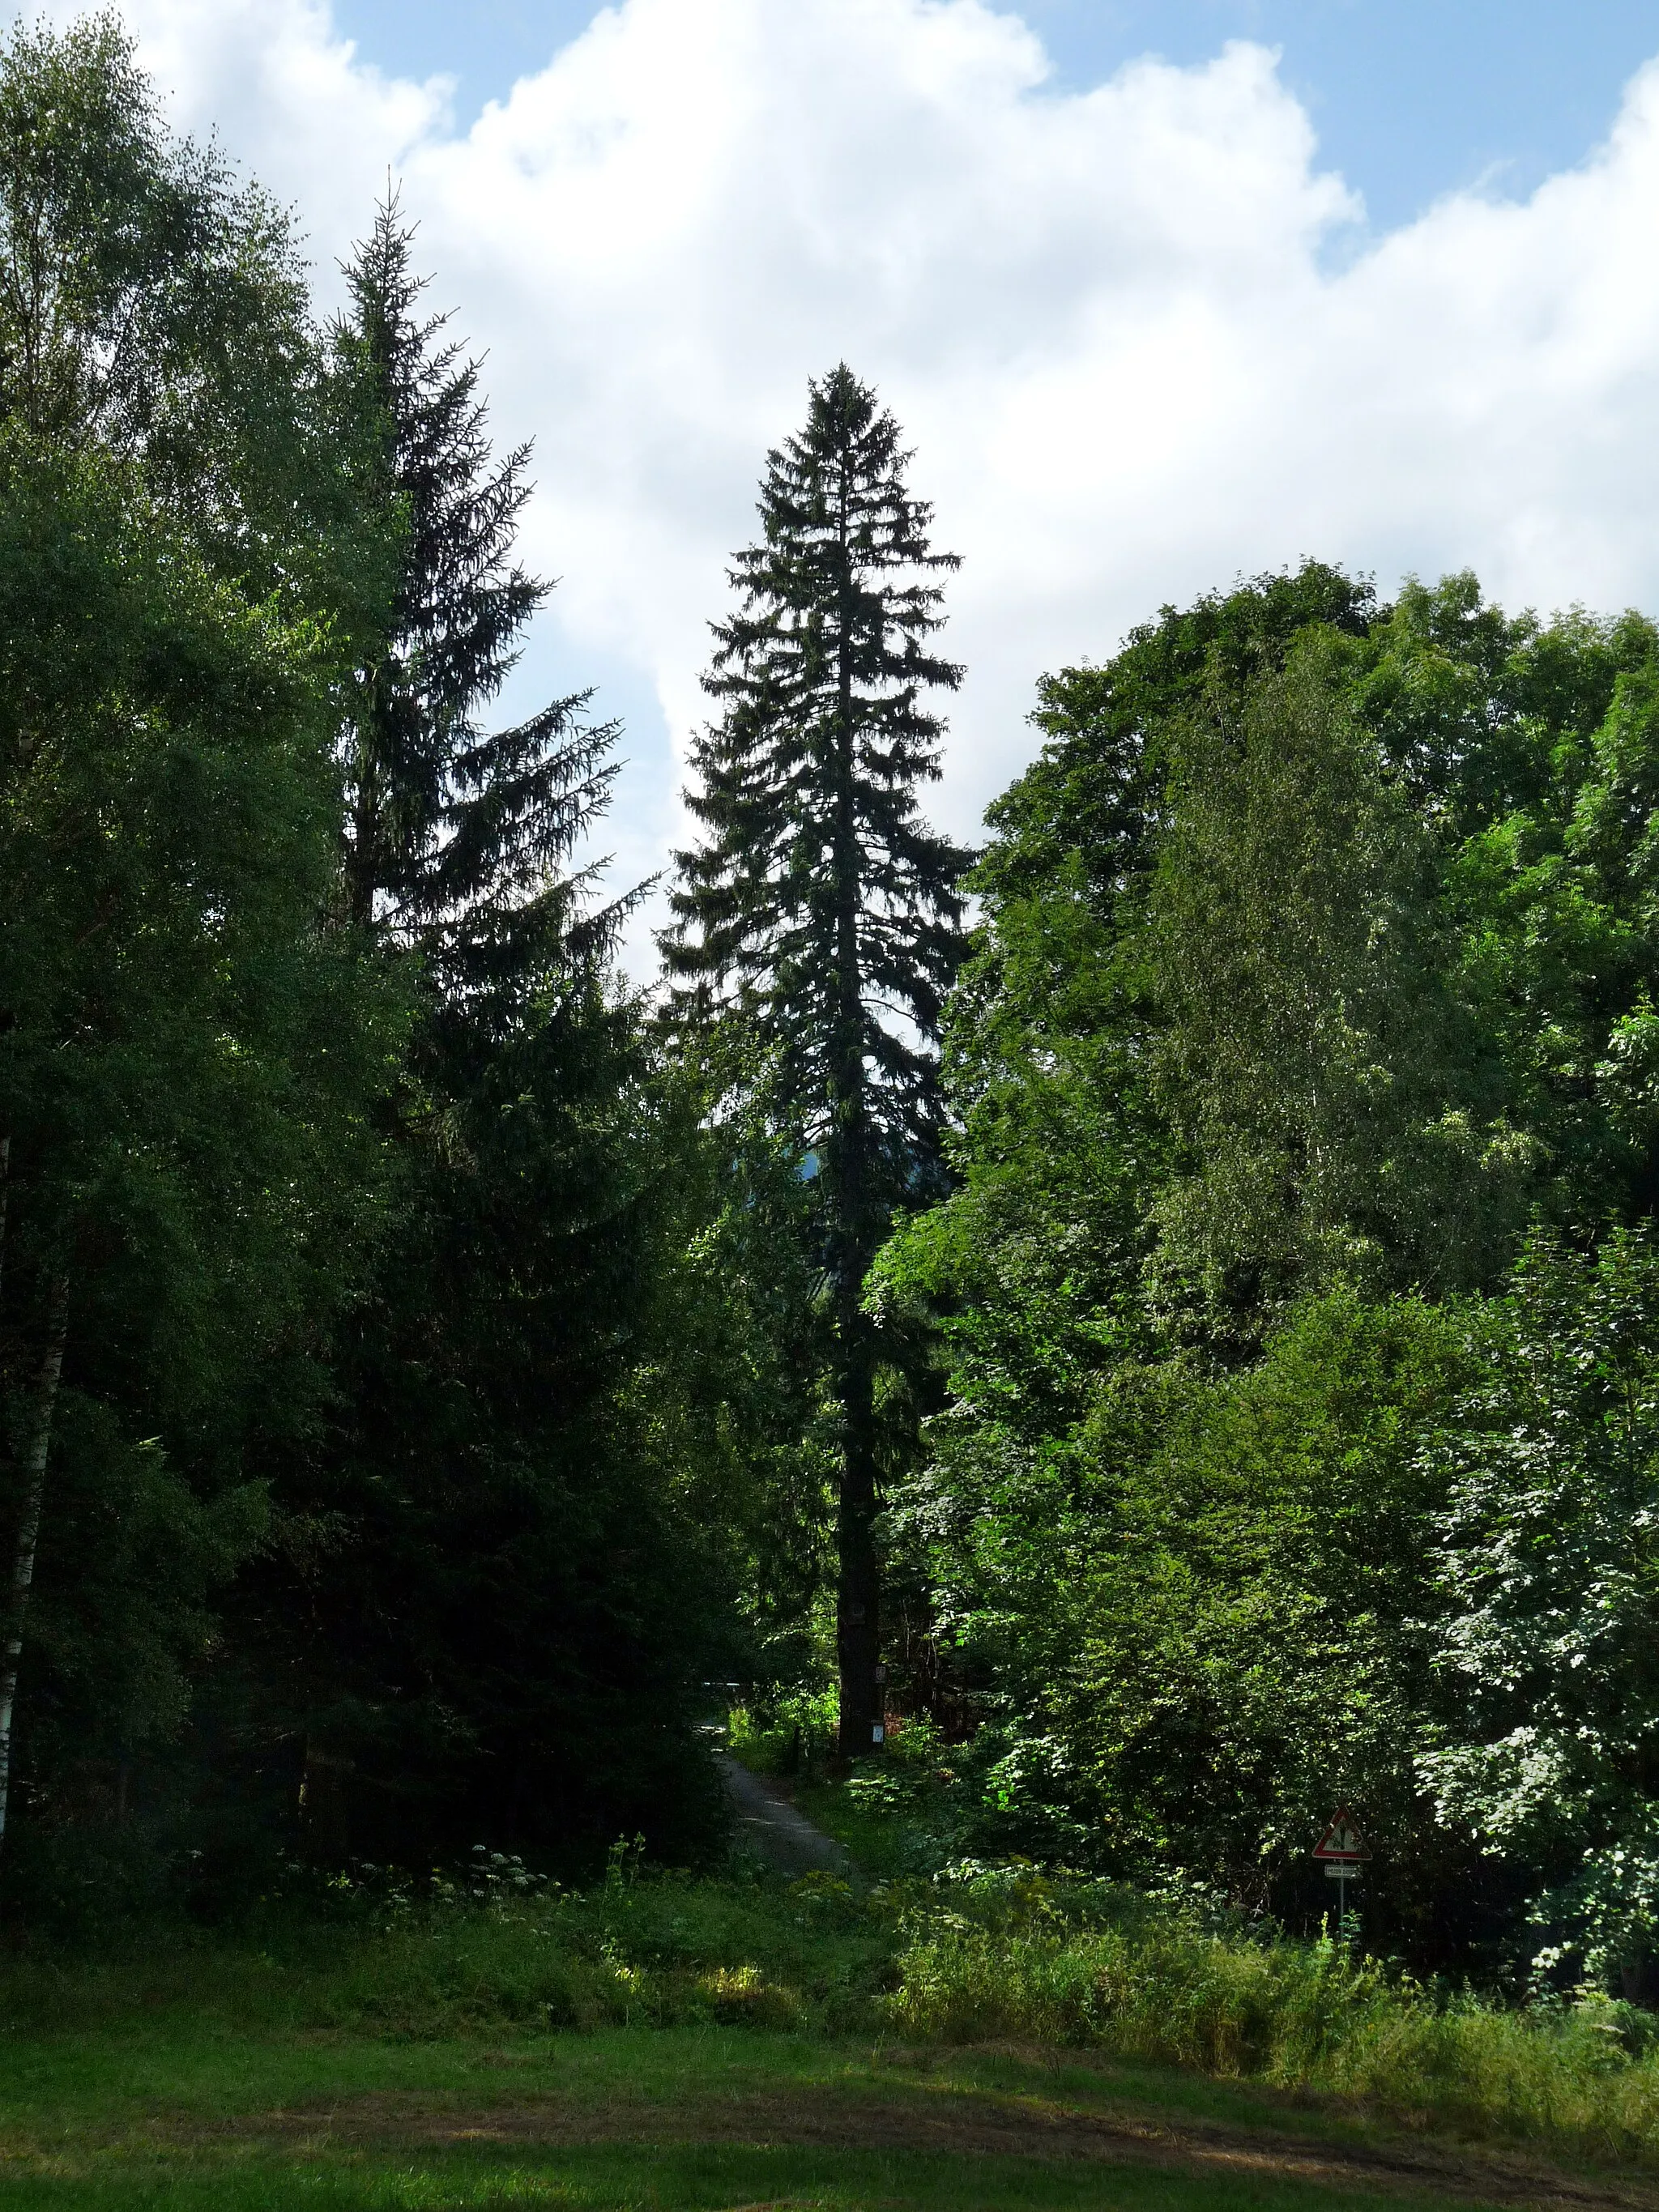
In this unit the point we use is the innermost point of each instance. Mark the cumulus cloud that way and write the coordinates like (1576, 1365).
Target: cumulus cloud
(1131, 332)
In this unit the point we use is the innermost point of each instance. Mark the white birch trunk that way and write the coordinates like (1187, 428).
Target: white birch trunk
(28, 1527)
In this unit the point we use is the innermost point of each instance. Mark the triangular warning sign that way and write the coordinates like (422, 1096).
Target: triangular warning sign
(1342, 1839)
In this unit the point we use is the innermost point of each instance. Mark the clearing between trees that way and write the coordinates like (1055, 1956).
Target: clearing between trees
(750, 2037)
(713, 2115)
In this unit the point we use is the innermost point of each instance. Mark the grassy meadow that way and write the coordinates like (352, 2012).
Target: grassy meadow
(997, 2039)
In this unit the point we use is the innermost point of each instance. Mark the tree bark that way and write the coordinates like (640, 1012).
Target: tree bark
(858, 1590)
(37, 1442)
(858, 1595)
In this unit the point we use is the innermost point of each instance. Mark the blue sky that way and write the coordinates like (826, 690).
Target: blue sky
(1410, 99)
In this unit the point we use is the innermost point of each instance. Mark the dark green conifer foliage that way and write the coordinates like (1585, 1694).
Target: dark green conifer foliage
(491, 1637)
(457, 839)
(819, 906)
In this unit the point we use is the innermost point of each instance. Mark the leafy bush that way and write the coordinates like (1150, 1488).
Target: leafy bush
(792, 1733)
(1549, 1572)
(493, 1945)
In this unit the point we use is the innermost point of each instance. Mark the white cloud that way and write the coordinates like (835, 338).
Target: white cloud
(1111, 323)
(288, 99)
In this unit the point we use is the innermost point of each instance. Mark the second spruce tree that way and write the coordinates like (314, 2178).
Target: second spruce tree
(818, 908)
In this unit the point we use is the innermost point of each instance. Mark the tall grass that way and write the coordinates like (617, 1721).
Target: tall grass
(1151, 1981)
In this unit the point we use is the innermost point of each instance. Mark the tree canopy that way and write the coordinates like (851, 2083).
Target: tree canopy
(1159, 1312)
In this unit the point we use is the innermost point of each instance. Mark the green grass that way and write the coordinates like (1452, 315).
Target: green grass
(1002, 2040)
(1303, 2017)
(622, 2180)
(878, 1840)
(166, 2118)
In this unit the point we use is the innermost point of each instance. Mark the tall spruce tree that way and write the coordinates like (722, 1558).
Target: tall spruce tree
(456, 838)
(819, 908)
(492, 1640)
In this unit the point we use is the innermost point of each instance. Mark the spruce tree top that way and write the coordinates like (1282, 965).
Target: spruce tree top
(458, 837)
(818, 902)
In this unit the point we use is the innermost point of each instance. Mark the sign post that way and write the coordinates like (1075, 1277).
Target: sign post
(1343, 1848)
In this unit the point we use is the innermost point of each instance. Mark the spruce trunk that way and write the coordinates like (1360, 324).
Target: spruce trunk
(858, 1592)
(37, 1444)
(858, 1595)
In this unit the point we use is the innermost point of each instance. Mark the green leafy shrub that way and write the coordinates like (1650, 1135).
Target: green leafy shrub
(1549, 1584)
(793, 1733)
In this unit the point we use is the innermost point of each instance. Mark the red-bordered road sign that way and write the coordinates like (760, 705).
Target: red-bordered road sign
(1342, 1839)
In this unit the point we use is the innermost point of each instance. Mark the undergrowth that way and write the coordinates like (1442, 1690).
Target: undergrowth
(496, 1947)
(976, 1953)
(1009, 1955)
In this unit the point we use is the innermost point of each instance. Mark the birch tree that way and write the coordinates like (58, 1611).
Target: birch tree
(185, 1045)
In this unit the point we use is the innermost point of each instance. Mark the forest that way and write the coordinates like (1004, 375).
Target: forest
(1109, 1348)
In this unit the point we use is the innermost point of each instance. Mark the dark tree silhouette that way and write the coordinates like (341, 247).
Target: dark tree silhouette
(819, 908)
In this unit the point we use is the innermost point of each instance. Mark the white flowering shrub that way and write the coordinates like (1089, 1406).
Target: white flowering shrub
(1548, 1652)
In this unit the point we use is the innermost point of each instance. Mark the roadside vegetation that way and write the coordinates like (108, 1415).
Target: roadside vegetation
(973, 1956)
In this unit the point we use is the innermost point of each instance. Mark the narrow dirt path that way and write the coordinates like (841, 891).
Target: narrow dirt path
(770, 1826)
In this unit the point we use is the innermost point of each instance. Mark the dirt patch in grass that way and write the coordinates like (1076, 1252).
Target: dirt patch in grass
(947, 2121)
